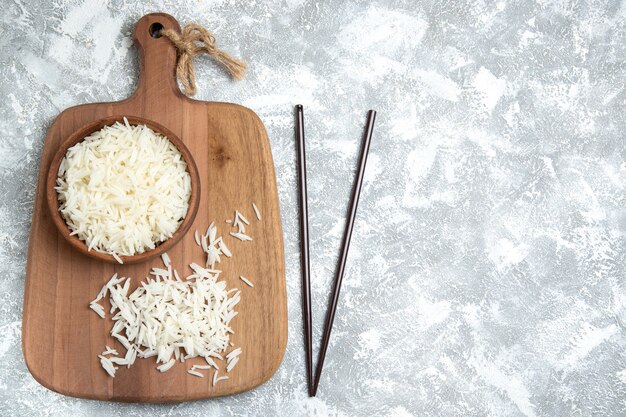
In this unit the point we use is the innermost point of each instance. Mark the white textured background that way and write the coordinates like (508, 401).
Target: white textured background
(487, 272)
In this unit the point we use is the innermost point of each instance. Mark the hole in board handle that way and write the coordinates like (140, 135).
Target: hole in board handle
(155, 30)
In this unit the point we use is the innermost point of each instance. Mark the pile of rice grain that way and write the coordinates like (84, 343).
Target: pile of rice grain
(172, 319)
(123, 189)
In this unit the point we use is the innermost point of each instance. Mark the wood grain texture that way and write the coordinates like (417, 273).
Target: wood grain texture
(62, 336)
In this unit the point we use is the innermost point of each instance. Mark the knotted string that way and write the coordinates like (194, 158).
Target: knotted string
(195, 40)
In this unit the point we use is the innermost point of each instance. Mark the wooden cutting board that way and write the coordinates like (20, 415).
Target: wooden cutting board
(62, 336)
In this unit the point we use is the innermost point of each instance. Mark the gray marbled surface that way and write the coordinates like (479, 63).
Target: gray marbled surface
(487, 272)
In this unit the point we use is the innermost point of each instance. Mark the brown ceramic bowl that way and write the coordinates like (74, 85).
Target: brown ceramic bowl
(78, 136)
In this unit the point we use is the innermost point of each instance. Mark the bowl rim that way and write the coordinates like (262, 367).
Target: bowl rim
(78, 136)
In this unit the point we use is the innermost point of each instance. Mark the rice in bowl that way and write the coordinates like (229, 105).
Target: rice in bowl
(123, 190)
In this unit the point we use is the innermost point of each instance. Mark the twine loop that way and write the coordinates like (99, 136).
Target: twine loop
(195, 40)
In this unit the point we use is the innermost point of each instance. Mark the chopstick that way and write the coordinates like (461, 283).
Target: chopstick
(354, 202)
(304, 248)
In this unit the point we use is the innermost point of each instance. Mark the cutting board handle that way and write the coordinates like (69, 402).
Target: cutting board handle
(157, 55)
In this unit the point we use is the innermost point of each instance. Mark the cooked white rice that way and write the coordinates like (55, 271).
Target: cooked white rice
(171, 319)
(246, 280)
(123, 189)
(176, 319)
(256, 211)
